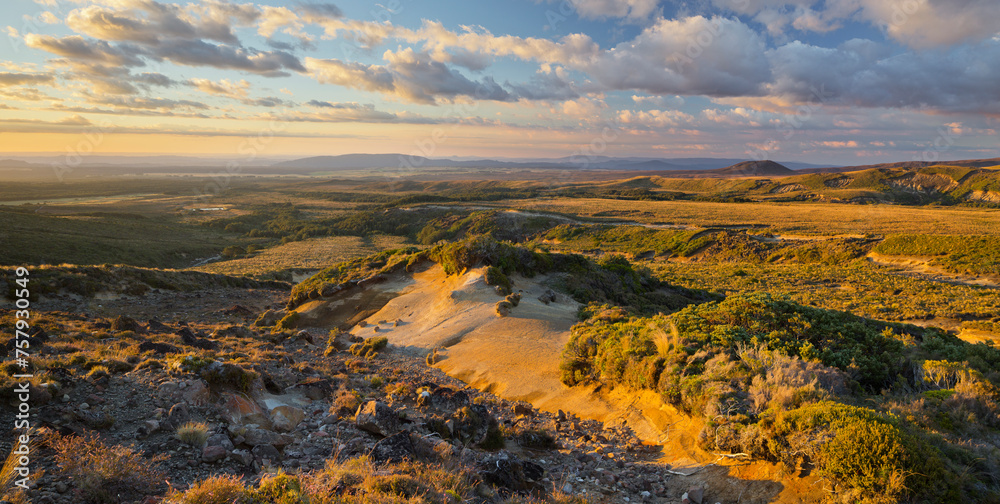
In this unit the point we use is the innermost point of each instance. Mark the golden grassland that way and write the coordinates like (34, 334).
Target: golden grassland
(311, 254)
(798, 218)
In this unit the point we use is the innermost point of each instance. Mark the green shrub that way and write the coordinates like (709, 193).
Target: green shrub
(369, 347)
(279, 488)
(496, 278)
(290, 321)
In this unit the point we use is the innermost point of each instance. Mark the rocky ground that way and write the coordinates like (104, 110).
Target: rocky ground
(308, 400)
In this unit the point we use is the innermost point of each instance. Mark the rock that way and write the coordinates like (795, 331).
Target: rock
(220, 440)
(155, 326)
(147, 428)
(508, 472)
(270, 317)
(178, 415)
(696, 495)
(189, 338)
(503, 308)
(160, 348)
(242, 456)
(567, 488)
(98, 420)
(377, 418)
(123, 323)
(286, 418)
(196, 393)
(257, 436)
(238, 310)
(315, 388)
(444, 399)
(234, 331)
(393, 449)
(213, 453)
(548, 296)
(266, 453)
(523, 410)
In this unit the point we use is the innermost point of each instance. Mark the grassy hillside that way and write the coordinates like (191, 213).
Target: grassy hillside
(32, 238)
(885, 411)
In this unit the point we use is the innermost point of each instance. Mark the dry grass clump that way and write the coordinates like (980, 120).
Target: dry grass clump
(104, 474)
(193, 433)
(226, 489)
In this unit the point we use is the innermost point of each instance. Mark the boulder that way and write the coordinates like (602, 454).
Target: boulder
(160, 348)
(256, 437)
(266, 453)
(213, 453)
(286, 418)
(377, 418)
(393, 449)
(123, 323)
(189, 338)
(549, 296)
(510, 474)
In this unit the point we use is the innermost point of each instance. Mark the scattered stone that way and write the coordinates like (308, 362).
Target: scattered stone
(549, 296)
(242, 456)
(393, 449)
(266, 453)
(189, 338)
(159, 348)
(213, 453)
(97, 420)
(523, 410)
(377, 418)
(696, 494)
(258, 437)
(286, 418)
(123, 323)
(155, 326)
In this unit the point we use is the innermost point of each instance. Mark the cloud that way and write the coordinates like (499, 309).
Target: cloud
(546, 86)
(327, 10)
(691, 56)
(81, 49)
(200, 53)
(654, 118)
(149, 22)
(930, 23)
(863, 73)
(224, 87)
(659, 101)
(601, 9)
(409, 75)
(17, 79)
(351, 112)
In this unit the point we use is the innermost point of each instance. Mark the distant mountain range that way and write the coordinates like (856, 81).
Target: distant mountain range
(395, 161)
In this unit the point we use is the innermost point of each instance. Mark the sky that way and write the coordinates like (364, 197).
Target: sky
(825, 81)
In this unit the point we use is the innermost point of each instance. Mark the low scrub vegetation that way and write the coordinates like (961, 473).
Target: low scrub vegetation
(799, 385)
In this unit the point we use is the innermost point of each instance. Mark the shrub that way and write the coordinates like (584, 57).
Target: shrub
(226, 489)
(193, 433)
(495, 277)
(279, 488)
(369, 347)
(106, 474)
(290, 321)
(228, 375)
